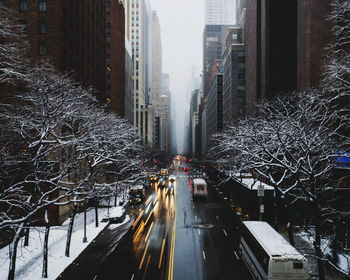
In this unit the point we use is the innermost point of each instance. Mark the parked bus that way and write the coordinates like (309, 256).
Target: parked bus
(268, 255)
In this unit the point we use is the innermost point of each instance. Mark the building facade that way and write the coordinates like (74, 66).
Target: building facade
(219, 12)
(115, 56)
(233, 70)
(213, 110)
(284, 43)
(214, 41)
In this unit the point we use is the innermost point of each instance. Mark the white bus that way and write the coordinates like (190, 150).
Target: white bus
(268, 255)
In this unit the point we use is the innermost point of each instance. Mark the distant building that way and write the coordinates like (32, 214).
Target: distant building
(219, 12)
(214, 41)
(213, 112)
(233, 70)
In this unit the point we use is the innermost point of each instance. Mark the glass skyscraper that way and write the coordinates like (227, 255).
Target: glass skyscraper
(220, 12)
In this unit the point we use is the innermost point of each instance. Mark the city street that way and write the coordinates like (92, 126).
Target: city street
(201, 245)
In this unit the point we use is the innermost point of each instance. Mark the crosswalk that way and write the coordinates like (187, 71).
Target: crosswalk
(190, 176)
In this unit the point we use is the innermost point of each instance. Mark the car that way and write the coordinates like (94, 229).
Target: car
(162, 182)
(164, 171)
(170, 188)
(137, 195)
(199, 189)
(172, 178)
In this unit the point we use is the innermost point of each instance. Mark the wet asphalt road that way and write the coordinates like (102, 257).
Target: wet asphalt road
(206, 238)
(202, 245)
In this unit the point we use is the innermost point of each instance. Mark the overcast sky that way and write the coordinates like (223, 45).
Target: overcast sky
(182, 23)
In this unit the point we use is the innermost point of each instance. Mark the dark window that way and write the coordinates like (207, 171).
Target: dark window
(23, 5)
(42, 27)
(241, 76)
(42, 6)
(2, 4)
(24, 25)
(42, 48)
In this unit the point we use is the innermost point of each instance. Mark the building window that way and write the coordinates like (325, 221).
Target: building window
(2, 3)
(241, 54)
(24, 26)
(42, 6)
(42, 48)
(23, 5)
(241, 76)
(42, 27)
(234, 36)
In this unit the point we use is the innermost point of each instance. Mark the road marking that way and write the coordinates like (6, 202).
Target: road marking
(203, 255)
(161, 254)
(95, 277)
(149, 232)
(144, 254)
(224, 232)
(193, 206)
(217, 217)
(172, 245)
(199, 232)
(132, 276)
(236, 255)
(196, 217)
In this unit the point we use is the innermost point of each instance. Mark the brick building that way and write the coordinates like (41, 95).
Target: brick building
(115, 56)
(284, 43)
(86, 38)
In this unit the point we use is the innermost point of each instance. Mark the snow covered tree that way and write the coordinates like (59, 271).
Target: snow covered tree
(291, 144)
(13, 46)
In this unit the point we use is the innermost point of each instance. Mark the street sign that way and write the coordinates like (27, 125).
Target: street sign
(261, 190)
(262, 208)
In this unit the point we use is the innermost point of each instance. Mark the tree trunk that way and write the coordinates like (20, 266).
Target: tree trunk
(317, 244)
(46, 251)
(290, 233)
(13, 252)
(26, 237)
(115, 199)
(70, 230)
(96, 215)
(84, 238)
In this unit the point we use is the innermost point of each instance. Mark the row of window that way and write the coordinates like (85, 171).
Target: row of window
(23, 6)
(41, 24)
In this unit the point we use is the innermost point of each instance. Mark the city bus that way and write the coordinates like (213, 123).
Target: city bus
(268, 255)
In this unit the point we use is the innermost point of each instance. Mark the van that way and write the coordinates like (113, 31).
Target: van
(199, 188)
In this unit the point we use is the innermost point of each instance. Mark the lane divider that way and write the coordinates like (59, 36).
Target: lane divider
(172, 247)
(144, 254)
(161, 254)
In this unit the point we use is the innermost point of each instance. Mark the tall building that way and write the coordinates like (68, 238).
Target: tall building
(157, 62)
(314, 33)
(61, 32)
(115, 56)
(233, 70)
(219, 12)
(214, 41)
(285, 43)
(140, 55)
(129, 94)
(213, 112)
(240, 12)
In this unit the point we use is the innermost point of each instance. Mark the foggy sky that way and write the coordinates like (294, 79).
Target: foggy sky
(182, 24)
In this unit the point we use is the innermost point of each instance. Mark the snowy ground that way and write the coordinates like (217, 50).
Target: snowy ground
(343, 259)
(29, 259)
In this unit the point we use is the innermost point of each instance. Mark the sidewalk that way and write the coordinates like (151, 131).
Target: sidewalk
(30, 258)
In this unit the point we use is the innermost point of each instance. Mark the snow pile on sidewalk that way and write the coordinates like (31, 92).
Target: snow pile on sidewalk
(342, 260)
(30, 258)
